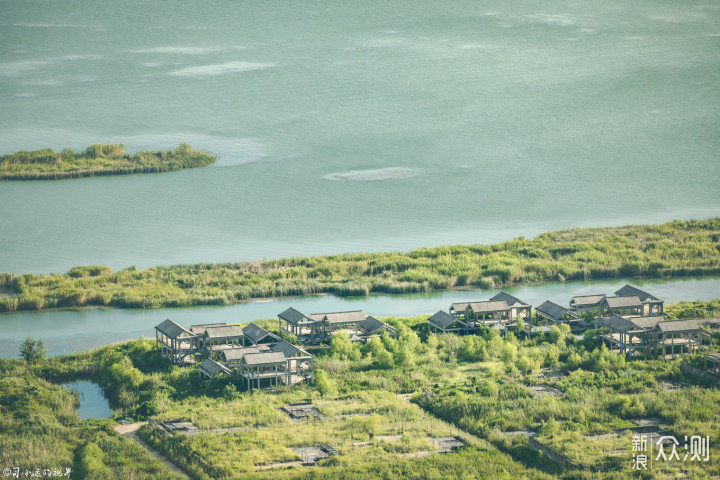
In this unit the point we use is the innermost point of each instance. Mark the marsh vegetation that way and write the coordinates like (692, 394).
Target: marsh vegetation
(668, 250)
(96, 160)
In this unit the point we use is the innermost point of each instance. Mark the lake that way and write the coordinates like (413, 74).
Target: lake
(70, 331)
(365, 126)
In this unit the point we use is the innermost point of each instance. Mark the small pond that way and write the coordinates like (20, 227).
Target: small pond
(93, 403)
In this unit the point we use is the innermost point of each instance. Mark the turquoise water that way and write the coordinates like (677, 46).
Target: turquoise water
(363, 126)
(93, 403)
(69, 331)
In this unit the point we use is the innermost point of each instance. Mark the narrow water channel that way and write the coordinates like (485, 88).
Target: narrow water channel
(74, 330)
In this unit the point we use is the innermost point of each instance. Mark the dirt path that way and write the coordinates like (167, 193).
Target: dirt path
(130, 432)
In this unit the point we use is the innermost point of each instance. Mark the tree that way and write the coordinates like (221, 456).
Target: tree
(32, 351)
(342, 347)
(405, 357)
(324, 384)
(383, 359)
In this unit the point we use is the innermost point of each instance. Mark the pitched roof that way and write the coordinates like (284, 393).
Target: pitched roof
(481, 307)
(256, 333)
(224, 331)
(629, 290)
(200, 329)
(442, 319)
(678, 326)
(553, 310)
(232, 354)
(489, 306)
(293, 316)
(620, 302)
(263, 358)
(288, 349)
(372, 325)
(587, 300)
(508, 298)
(212, 367)
(647, 323)
(355, 316)
(459, 307)
(172, 329)
(617, 324)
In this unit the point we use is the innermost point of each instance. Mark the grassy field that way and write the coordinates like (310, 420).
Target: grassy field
(97, 160)
(475, 387)
(667, 250)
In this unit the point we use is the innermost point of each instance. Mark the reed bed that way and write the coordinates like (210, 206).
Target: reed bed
(97, 160)
(659, 251)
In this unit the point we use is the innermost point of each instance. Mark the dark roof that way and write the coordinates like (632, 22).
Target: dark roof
(224, 331)
(481, 307)
(617, 324)
(648, 323)
(293, 316)
(355, 316)
(553, 310)
(509, 299)
(620, 302)
(678, 326)
(288, 349)
(713, 356)
(263, 358)
(372, 325)
(587, 300)
(629, 291)
(172, 329)
(200, 329)
(442, 319)
(489, 306)
(212, 367)
(237, 353)
(256, 333)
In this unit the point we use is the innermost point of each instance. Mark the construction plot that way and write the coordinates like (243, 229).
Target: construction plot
(365, 427)
(172, 427)
(596, 451)
(301, 411)
(311, 454)
(448, 444)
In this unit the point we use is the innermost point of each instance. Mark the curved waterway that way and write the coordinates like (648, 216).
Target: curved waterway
(70, 331)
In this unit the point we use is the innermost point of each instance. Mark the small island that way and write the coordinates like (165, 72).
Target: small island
(98, 160)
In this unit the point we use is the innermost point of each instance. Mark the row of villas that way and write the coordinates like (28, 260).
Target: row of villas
(259, 356)
(319, 328)
(632, 321)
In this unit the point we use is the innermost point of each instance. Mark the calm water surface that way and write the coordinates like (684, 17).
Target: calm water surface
(349, 126)
(93, 403)
(69, 331)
